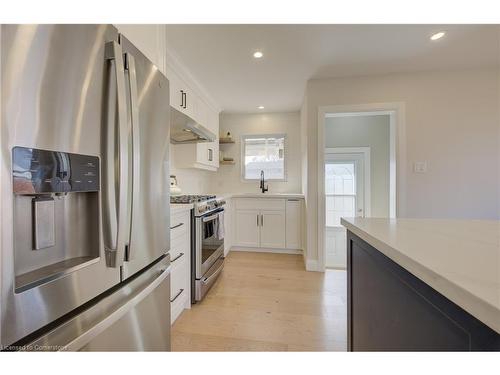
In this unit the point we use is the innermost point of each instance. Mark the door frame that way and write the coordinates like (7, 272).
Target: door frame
(397, 159)
(365, 152)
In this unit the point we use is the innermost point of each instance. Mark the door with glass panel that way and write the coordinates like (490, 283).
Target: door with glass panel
(344, 197)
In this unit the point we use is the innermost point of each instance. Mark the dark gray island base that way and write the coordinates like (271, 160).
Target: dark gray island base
(389, 309)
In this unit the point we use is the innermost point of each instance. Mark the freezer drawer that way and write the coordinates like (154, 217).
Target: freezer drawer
(135, 317)
(145, 327)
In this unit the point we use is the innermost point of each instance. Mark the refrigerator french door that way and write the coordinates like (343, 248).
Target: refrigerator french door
(149, 100)
(84, 158)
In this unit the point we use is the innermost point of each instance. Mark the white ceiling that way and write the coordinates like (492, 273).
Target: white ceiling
(220, 56)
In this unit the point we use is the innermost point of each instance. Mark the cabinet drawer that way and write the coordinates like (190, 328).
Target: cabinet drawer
(179, 224)
(179, 245)
(179, 280)
(178, 305)
(178, 255)
(259, 204)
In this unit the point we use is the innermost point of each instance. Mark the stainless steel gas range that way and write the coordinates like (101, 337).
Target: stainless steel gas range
(207, 241)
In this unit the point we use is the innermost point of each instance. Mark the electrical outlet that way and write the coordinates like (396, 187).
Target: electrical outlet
(420, 167)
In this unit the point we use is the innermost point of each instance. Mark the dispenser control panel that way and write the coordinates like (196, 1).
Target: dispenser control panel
(37, 171)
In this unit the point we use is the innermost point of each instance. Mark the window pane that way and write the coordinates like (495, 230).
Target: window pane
(340, 188)
(264, 154)
(339, 178)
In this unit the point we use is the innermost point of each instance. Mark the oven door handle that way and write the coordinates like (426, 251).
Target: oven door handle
(212, 217)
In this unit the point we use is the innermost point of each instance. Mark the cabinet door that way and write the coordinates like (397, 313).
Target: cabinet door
(213, 147)
(213, 153)
(272, 230)
(176, 92)
(293, 224)
(246, 231)
(202, 153)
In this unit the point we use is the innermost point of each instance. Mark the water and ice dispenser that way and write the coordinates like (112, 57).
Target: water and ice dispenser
(56, 214)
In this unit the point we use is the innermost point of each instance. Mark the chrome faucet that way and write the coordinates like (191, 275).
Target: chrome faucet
(262, 183)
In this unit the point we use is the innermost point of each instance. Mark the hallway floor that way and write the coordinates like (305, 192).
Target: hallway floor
(267, 302)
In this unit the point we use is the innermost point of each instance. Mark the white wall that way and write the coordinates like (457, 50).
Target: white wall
(366, 131)
(452, 122)
(190, 180)
(228, 177)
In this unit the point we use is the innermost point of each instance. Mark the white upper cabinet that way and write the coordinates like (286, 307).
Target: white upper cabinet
(187, 97)
(182, 97)
(149, 39)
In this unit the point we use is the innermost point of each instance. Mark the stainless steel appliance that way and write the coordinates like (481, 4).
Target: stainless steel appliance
(207, 241)
(84, 191)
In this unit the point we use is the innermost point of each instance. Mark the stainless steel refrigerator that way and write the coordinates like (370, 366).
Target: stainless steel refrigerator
(84, 191)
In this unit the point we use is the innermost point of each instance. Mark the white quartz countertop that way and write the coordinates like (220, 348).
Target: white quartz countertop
(261, 195)
(458, 258)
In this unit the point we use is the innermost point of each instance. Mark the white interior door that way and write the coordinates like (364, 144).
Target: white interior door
(344, 197)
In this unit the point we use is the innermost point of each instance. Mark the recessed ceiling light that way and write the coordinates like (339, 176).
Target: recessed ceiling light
(258, 54)
(260, 107)
(438, 35)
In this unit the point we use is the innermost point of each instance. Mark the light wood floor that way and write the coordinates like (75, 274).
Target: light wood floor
(267, 302)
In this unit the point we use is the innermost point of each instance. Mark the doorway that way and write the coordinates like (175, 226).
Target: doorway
(387, 206)
(347, 194)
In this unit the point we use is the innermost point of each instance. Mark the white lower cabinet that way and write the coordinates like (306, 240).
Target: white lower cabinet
(180, 258)
(247, 229)
(294, 224)
(267, 223)
(272, 229)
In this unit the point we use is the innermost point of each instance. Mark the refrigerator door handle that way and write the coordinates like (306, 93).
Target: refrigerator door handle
(136, 165)
(115, 228)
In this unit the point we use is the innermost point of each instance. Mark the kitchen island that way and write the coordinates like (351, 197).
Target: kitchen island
(419, 284)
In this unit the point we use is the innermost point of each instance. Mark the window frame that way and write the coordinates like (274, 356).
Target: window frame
(244, 137)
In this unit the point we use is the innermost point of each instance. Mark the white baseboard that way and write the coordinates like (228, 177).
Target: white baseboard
(265, 250)
(312, 265)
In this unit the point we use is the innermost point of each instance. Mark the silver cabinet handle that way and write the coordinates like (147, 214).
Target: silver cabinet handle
(261, 220)
(177, 295)
(182, 98)
(136, 142)
(115, 211)
(258, 220)
(177, 226)
(177, 257)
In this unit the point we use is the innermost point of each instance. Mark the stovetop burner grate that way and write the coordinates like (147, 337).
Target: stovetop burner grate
(190, 198)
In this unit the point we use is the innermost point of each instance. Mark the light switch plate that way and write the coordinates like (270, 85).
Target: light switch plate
(420, 167)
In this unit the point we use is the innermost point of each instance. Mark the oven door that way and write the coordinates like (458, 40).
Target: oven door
(209, 245)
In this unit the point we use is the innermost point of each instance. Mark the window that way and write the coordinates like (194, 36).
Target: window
(263, 153)
(340, 189)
